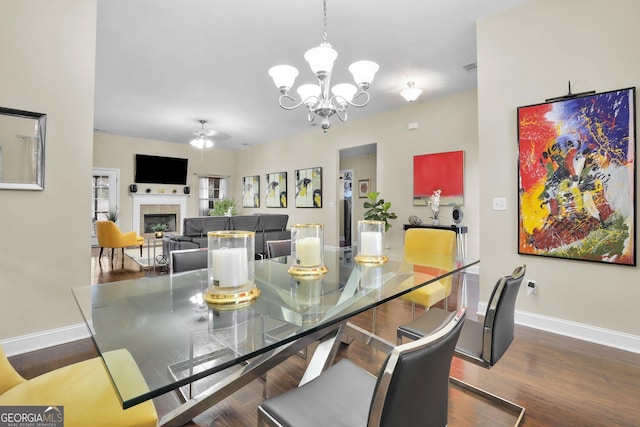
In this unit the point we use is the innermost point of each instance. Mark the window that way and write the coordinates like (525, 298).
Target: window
(211, 189)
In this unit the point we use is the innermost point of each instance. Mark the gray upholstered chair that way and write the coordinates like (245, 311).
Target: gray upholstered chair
(278, 248)
(412, 389)
(482, 343)
(188, 259)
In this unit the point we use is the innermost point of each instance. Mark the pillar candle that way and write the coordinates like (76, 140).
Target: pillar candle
(230, 266)
(371, 242)
(308, 251)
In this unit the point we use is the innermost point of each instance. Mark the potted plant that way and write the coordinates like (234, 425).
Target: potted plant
(224, 207)
(378, 210)
(159, 229)
(113, 215)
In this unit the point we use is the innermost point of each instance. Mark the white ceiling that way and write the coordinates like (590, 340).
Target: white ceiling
(162, 65)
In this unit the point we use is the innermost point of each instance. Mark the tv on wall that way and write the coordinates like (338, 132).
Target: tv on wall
(160, 170)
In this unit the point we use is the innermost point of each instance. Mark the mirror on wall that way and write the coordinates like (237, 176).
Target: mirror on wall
(22, 138)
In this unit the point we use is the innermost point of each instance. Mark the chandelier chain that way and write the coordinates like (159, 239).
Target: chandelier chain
(324, 21)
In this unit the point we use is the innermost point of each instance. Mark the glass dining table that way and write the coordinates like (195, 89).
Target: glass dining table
(177, 339)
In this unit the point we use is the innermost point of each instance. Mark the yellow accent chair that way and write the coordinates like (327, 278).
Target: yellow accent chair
(84, 389)
(110, 236)
(431, 250)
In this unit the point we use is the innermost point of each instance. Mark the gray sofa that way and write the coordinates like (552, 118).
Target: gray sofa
(195, 229)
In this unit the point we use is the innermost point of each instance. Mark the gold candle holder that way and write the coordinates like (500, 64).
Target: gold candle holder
(370, 243)
(307, 243)
(231, 269)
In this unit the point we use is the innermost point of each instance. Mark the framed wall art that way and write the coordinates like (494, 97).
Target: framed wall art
(276, 190)
(251, 191)
(576, 175)
(363, 188)
(443, 171)
(309, 188)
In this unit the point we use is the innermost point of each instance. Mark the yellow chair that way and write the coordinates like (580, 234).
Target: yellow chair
(110, 236)
(424, 247)
(83, 389)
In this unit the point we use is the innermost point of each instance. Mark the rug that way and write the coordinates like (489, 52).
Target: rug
(147, 260)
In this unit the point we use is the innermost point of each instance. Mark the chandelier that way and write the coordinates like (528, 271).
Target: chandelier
(202, 135)
(316, 97)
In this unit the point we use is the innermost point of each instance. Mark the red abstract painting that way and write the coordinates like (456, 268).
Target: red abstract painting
(444, 171)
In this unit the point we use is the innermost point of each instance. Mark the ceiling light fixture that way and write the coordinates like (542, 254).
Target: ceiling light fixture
(316, 97)
(411, 93)
(202, 139)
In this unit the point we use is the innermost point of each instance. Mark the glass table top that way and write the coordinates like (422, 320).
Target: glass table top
(176, 338)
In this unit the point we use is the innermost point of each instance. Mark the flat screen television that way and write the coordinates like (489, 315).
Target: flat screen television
(160, 170)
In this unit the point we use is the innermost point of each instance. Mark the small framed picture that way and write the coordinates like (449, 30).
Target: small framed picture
(363, 188)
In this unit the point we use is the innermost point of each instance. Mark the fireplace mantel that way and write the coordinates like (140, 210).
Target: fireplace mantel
(158, 199)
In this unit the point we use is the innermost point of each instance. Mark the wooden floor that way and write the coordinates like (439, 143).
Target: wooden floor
(561, 381)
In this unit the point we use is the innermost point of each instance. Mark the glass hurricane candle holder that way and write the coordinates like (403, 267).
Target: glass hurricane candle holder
(231, 269)
(370, 242)
(307, 243)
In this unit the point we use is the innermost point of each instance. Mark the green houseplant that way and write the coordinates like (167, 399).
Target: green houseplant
(159, 229)
(224, 207)
(113, 215)
(378, 210)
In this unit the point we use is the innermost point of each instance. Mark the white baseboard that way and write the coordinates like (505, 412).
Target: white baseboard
(44, 339)
(608, 337)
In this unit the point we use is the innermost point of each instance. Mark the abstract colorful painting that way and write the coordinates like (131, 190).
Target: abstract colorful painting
(309, 188)
(251, 191)
(576, 171)
(276, 190)
(444, 171)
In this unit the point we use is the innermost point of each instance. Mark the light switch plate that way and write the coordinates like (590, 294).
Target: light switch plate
(499, 203)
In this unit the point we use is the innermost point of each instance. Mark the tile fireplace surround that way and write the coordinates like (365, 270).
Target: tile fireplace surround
(158, 204)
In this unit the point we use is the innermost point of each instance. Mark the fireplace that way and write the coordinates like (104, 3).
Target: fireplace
(168, 209)
(151, 220)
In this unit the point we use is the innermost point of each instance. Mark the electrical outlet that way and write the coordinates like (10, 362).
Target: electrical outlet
(532, 287)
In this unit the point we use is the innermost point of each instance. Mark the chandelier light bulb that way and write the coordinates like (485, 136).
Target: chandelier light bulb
(283, 76)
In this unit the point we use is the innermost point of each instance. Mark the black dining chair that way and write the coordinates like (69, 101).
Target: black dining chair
(278, 248)
(411, 389)
(188, 259)
(482, 343)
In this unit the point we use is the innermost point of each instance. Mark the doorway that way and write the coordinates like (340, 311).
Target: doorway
(104, 197)
(356, 164)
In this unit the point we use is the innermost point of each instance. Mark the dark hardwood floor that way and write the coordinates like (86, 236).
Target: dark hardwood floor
(561, 381)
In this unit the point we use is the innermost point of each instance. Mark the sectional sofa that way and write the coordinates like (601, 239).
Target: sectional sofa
(195, 229)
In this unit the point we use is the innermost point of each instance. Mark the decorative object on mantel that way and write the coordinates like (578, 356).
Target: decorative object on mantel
(148, 190)
(410, 93)
(434, 204)
(316, 97)
(576, 178)
(378, 210)
(414, 220)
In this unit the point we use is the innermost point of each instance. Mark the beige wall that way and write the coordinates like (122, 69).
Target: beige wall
(118, 152)
(446, 124)
(48, 56)
(525, 55)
